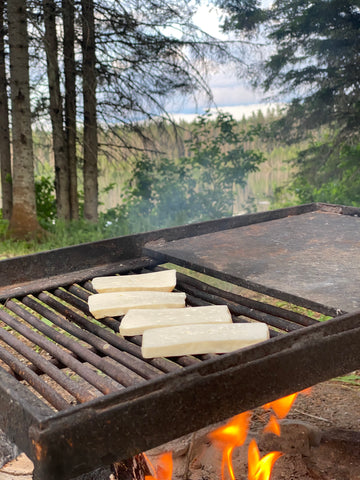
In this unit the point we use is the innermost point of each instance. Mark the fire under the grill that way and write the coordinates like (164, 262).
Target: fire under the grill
(80, 395)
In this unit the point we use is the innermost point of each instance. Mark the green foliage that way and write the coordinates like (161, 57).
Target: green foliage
(329, 173)
(164, 191)
(243, 15)
(314, 59)
(315, 63)
(45, 200)
(61, 234)
(3, 225)
(202, 168)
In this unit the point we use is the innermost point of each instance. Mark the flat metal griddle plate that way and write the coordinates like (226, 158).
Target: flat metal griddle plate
(313, 255)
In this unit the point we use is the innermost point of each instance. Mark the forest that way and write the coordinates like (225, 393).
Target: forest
(84, 112)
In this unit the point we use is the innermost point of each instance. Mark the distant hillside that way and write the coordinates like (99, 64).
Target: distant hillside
(237, 111)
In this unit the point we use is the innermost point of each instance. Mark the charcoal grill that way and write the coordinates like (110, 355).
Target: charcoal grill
(74, 395)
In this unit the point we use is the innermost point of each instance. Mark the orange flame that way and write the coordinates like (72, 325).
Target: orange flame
(260, 468)
(164, 468)
(232, 434)
(282, 406)
(273, 426)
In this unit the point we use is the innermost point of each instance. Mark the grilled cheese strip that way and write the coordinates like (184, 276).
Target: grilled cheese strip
(136, 322)
(201, 339)
(163, 281)
(113, 304)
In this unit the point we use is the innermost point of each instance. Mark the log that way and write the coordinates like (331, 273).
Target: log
(131, 469)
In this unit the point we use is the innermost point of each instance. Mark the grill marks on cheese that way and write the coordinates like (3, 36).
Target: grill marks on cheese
(114, 304)
(163, 281)
(201, 339)
(136, 322)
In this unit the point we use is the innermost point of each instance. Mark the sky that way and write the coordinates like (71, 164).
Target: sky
(231, 94)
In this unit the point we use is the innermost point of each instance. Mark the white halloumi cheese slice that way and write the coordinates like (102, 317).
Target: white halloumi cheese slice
(201, 339)
(135, 322)
(113, 304)
(163, 281)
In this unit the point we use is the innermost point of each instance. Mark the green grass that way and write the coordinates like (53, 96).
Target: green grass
(59, 235)
(350, 379)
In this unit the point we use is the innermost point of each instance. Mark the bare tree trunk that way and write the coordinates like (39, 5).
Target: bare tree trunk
(70, 102)
(23, 222)
(5, 155)
(90, 124)
(62, 183)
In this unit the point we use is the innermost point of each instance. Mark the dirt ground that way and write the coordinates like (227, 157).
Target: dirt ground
(320, 439)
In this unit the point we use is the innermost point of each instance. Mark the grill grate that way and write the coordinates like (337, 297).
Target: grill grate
(86, 358)
(80, 396)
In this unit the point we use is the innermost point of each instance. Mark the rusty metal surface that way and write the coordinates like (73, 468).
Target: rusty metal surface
(113, 403)
(136, 416)
(315, 256)
(165, 408)
(101, 364)
(20, 409)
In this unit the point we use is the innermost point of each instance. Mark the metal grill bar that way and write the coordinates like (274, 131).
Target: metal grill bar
(79, 392)
(101, 383)
(53, 279)
(63, 356)
(125, 376)
(34, 380)
(185, 281)
(241, 310)
(133, 360)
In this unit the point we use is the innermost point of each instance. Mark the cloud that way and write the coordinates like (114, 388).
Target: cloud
(235, 94)
(231, 90)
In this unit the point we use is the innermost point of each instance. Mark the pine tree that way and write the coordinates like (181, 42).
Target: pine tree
(23, 222)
